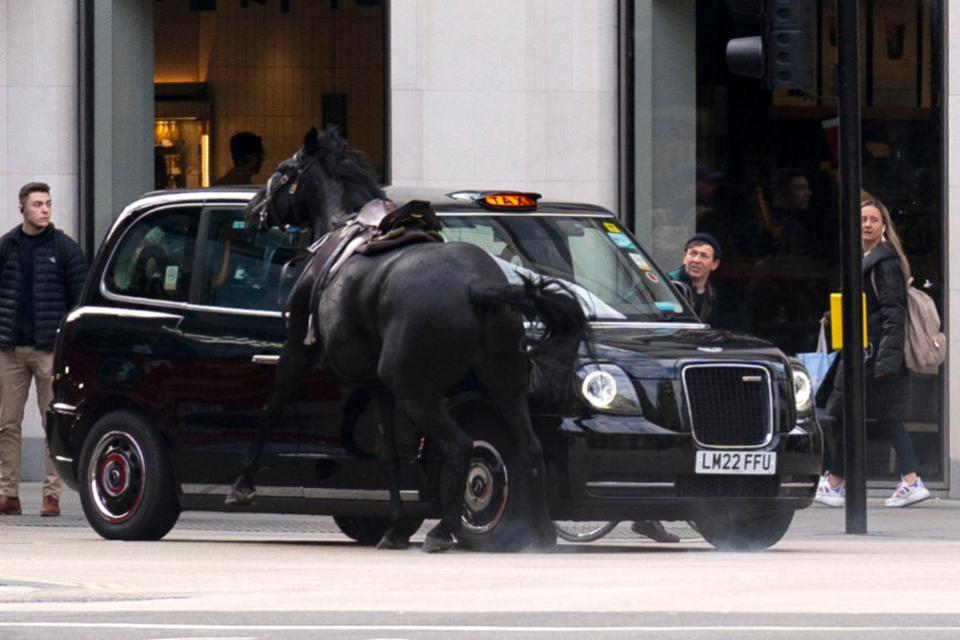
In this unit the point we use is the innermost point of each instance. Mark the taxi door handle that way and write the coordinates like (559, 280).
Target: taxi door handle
(265, 358)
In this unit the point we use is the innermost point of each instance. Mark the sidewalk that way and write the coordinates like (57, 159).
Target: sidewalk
(935, 519)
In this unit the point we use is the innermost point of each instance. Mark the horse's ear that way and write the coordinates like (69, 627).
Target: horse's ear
(310, 140)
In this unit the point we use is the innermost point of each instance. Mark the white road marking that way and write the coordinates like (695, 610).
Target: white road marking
(475, 628)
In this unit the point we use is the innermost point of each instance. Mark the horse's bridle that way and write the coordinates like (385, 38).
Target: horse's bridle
(296, 165)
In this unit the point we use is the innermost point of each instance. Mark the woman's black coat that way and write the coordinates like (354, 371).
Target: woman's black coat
(886, 376)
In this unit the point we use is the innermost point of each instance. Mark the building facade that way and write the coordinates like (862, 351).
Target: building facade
(622, 103)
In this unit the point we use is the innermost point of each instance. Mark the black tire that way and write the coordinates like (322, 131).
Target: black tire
(588, 531)
(744, 531)
(127, 488)
(496, 515)
(369, 531)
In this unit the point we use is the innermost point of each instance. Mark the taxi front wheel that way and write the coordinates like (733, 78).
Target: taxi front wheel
(743, 531)
(127, 488)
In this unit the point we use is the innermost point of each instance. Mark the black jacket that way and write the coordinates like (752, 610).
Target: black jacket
(887, 381)
(716, 310)
(58, 279)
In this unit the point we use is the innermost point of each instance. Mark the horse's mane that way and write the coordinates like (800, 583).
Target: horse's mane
(350, 167)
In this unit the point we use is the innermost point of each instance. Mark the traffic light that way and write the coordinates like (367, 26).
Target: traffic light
(783, 55)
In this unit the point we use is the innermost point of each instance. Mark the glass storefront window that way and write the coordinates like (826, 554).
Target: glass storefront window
(264, 70)
(181, 148)
(766, 183)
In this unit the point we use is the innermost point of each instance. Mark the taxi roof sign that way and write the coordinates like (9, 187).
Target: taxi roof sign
(509, 201)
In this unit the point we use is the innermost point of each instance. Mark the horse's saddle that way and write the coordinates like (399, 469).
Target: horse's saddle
(398, 226)
(379, 226)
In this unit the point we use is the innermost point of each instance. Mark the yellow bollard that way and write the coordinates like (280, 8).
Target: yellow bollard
(836, 321)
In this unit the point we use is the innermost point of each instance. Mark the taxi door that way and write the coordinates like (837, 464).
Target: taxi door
(236, 332)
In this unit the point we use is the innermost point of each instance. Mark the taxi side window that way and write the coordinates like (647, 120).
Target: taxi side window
(485, 235)
(594, 264)
(155, 257)
(243, 269)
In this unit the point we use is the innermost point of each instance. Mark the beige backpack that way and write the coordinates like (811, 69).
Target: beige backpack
(924, 345)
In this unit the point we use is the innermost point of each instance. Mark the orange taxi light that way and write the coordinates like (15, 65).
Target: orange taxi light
(511, 201)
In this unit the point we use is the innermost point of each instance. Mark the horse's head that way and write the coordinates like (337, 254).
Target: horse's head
(321, 185)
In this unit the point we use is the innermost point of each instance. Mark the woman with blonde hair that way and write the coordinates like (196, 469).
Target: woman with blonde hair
(886, 275)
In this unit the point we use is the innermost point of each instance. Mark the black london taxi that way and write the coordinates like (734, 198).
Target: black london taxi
(160, 374)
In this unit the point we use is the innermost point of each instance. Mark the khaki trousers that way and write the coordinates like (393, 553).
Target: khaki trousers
(17, 367)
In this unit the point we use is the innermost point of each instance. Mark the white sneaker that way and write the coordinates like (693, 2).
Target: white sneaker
(908, 494)
(829, 495)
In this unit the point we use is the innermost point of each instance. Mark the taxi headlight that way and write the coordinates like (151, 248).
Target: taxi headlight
(802, 390)
(607, 388)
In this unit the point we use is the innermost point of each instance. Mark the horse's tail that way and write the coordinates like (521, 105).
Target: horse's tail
(553, 351)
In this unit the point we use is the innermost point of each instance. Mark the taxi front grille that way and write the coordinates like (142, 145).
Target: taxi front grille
(729, 405)
(728, 486)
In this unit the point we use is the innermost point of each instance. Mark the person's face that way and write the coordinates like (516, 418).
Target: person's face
(871, 225)
(36, 212)
(800, 193)
(255, 160)
(699, 261)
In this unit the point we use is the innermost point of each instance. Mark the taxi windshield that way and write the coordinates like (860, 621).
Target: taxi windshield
(613, 277)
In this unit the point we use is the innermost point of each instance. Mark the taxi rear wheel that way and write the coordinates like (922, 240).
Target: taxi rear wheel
(127, 489)
(740, 531)
(496, 514)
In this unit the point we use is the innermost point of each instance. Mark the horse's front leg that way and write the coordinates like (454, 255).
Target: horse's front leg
(431, 416)
(389, 461)
(295, 359)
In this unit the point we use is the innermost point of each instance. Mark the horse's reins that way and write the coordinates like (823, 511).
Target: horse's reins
(282, 178)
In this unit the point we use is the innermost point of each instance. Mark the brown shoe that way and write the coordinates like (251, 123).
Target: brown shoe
(10, 506)
(51, 507)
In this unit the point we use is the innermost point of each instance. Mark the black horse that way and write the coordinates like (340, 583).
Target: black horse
(408, 325)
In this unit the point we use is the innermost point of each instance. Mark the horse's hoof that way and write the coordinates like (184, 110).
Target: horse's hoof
(242, 494)
(436, 544)
(542, 546)
(392, 541)
(547, 540)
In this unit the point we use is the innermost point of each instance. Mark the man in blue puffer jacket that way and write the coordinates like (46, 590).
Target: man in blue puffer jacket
(42, 273)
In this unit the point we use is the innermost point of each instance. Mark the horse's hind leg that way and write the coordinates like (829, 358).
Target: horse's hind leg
(509, 393)
(432, 417)
(389, 461)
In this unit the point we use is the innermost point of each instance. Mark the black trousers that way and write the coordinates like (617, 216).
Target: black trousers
(892, 430)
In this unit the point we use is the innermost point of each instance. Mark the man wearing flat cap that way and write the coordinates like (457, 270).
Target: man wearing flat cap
(701, 257)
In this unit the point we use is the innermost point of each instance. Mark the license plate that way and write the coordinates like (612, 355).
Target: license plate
(739, 463)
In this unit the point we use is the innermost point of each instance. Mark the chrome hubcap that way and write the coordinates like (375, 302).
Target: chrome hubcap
(485, 497)
(116, 477)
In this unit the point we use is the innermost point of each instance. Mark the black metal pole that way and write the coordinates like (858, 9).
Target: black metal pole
(848, 97)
